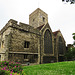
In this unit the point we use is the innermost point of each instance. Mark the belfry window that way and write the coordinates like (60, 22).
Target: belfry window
(43, 19)
(26, 44)
(33, 20)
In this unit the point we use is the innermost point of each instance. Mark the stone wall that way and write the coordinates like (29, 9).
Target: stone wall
(26, 43)
(38, 18)
(13, 37)
(23, 58)
(58, 44)
(3, 39)
(2, 57)
(18, 40)
(0, 41)
(43, 54)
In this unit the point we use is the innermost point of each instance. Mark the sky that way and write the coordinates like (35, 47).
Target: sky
(61, 15)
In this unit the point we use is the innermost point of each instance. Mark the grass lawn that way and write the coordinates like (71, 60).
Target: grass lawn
(59, 68)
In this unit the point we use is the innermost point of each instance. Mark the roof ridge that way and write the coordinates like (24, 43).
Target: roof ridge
(56, 32)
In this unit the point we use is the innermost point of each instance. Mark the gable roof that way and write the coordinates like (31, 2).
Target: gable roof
(37, 10)
(40, 27)
(56, 32)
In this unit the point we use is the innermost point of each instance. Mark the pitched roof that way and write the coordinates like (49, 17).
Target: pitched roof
(56, 32)
(37, 10)
(40, 27)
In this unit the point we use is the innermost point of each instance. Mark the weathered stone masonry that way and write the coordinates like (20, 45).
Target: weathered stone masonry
(33, 43)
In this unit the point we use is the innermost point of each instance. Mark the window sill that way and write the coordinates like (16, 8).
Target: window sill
(26, 59)
(26, 48)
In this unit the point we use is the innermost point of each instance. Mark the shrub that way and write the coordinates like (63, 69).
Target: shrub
(11, 67)
(3, 72)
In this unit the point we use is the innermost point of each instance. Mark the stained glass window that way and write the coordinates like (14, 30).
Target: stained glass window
(60, 46)
(48, 42)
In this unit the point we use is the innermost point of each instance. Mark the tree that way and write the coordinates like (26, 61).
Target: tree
(74, 38)
(70, 54)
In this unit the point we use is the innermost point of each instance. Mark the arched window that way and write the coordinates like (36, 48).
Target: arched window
(60, 45)
(48, 42)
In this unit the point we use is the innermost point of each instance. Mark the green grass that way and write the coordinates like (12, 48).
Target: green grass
(60, 68)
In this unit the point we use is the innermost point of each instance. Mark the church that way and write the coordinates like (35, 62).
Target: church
(34, 42)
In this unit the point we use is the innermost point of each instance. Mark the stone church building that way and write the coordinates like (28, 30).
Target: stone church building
(34, 43)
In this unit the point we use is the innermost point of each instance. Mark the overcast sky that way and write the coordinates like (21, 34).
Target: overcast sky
(61, 15)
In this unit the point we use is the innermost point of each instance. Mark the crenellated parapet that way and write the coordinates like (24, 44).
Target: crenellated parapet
(21, 26)
(11, 22)
(28, 28)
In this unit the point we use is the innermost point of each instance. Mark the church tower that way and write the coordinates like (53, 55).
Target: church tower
(38, 18)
